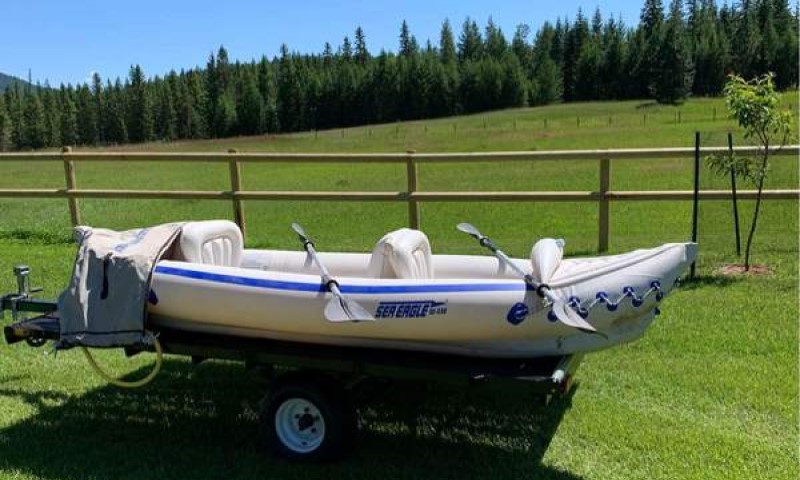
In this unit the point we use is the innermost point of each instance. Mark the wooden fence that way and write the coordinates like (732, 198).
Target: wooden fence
(603, 196)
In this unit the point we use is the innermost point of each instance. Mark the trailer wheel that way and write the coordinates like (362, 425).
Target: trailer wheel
(308, 419)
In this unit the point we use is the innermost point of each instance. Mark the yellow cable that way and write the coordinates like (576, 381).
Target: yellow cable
(135, 384)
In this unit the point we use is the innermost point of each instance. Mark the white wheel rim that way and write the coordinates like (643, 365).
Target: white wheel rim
(299, 425)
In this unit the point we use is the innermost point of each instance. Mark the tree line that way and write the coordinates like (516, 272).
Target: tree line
(689, 49)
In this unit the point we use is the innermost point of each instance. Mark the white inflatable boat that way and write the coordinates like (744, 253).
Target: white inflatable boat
(461, 304)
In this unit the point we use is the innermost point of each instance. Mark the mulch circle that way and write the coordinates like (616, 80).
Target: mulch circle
(738, 269)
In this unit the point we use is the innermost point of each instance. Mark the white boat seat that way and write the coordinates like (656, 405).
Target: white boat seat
(213, 242)
(403, 253)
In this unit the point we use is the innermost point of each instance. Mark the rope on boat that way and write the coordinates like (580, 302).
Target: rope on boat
(612, 305)
(136, 383)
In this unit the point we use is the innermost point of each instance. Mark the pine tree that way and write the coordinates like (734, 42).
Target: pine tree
(514, 84)
(786, 59)
(87, 117)
(197, 106)
(674, 71)
(576, 38)
(408, 44)
(470, 43)
(710, 50)
(69, 118)
(496, 45)
(613, 75)
(5, 128)
(649, 35)
(251, 110)
(546, 72)
(99, 105)
(362, 54)
(166, 119)
(520, 47)
(52, 117)
(746, 40)
(16, 114)
(291, 98)
(115, 128)
(346, 49)
(140, 107)
(34, 135)
(269, 93)
(447, 44)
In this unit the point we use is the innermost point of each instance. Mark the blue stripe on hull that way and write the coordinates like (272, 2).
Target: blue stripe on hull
(318, 287)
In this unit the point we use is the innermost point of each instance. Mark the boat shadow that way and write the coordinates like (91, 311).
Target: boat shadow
(702, 281)
(202, 422)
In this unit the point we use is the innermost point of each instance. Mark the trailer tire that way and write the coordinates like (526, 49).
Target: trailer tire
(308, 418)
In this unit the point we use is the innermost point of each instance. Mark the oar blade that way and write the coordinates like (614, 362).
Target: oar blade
(299, 231)
(469, 229)
(340, 309)
(566, 315)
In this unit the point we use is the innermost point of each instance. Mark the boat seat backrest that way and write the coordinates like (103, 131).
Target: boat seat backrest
(213, 242)
(403, 253)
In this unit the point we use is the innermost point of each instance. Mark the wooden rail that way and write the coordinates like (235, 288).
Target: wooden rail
(236, 195)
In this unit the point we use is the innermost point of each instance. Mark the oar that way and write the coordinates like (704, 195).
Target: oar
(339, 309)
(563, 312)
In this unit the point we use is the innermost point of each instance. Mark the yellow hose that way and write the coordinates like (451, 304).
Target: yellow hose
(137, 383)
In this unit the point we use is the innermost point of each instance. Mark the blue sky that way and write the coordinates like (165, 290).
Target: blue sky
(64, 41)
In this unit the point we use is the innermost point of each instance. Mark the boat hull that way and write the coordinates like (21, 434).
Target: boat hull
(488, 317)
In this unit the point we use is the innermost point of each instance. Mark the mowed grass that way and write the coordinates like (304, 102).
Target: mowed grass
(709, 392)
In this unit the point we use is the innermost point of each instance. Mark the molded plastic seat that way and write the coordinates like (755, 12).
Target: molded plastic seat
(213, 242)
(403, 253)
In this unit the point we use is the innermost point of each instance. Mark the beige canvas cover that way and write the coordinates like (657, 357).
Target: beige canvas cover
(105, 302)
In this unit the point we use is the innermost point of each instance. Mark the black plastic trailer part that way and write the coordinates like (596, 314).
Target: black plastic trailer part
(308, 414)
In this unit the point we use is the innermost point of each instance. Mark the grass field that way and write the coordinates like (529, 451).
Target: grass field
(709, 392)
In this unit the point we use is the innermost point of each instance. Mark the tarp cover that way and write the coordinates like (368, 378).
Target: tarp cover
(104, 304)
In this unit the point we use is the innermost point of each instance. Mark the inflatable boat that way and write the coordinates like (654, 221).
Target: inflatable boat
(414, 300)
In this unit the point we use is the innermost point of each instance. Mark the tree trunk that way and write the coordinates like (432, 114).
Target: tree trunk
(762, 175)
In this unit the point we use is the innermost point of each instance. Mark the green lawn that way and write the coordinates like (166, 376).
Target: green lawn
(709, 392)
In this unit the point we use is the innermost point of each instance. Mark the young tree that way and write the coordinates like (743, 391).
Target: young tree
(756, 107)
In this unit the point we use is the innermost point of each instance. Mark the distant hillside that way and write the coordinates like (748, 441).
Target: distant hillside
(8, 80)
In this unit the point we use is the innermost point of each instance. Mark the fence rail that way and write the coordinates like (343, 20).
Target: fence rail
(603, 196)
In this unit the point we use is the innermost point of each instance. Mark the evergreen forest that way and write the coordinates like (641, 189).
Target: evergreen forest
(676, 50)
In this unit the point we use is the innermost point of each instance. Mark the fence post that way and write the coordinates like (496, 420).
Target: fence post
(235, 169)
(413, 205)
(603, 214)
(696, 197)
(69, 176)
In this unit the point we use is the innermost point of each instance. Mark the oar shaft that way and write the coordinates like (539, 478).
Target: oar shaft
(326, 277)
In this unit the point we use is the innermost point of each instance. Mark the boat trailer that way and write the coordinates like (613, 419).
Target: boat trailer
(308, 413)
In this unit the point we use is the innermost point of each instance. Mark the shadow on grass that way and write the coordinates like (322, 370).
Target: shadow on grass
(44, 237)
(702, 281)
(203, 423)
